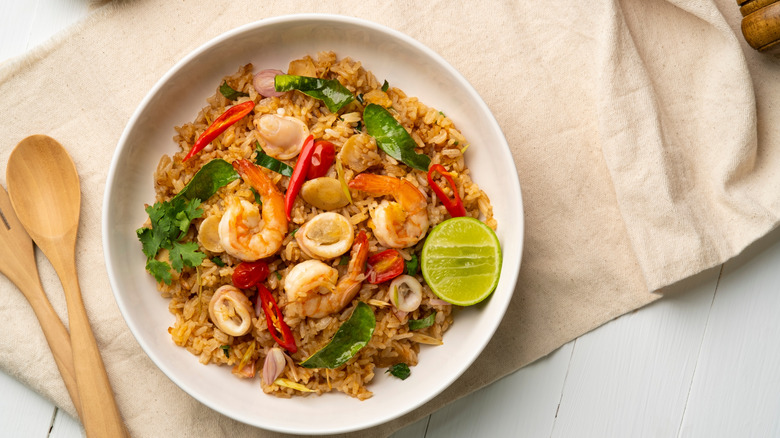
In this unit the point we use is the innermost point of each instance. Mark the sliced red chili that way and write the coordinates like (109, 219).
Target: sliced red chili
(321, 159)
(299, 174)
(279, 329)
(248, 274)
(223, 122)
(384, 266)
(453, 205)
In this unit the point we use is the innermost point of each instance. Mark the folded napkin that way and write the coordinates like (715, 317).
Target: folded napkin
(633, 126)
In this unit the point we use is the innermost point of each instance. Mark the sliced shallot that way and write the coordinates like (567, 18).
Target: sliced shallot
(273, 365)
(406, 293)
(264, 83)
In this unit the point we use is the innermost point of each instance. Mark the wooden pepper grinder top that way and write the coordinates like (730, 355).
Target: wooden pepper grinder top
(761, 24)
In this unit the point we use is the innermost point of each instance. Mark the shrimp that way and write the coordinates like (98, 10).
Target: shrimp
(312, 289)
(243, 232)
(397, 224)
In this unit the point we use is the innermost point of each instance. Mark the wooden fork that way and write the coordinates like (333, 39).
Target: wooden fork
(17, 262)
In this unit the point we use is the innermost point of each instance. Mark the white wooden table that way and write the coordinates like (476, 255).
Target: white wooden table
(704, 362)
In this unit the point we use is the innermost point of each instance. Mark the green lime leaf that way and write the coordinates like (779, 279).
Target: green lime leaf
(392, 137)
(353, 335)
(330, 91)
(211, 177)
(229, 93)
(271, 163)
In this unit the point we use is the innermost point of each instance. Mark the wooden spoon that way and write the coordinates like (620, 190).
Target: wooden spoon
(45, 193)
(17, 262)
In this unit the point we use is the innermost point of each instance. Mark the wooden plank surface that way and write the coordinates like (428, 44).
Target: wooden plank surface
(630, 378)
(736, 388)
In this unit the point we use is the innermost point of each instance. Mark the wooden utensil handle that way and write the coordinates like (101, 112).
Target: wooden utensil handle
(100, 414)
(56, 336)
(761, 24)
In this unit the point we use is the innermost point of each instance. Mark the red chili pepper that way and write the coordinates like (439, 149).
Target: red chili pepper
(223, 122)
(455, 205)
(322, 158)
(299, 174)
(275, 320)
(384, 266)
(248, 274)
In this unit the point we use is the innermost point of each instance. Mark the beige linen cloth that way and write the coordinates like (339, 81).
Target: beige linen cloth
(643, 155)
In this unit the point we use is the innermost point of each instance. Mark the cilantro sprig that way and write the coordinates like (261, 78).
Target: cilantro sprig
(170, 221)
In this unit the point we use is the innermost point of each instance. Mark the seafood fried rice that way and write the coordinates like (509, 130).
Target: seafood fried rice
(288, 227)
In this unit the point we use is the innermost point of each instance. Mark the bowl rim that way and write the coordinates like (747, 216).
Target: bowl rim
(325, 18)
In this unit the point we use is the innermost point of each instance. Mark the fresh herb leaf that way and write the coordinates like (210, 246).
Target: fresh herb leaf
(226, 350)
(353, 335)
(211, 177)
(229, 93)
(185, 212)
(400, 370)
(385, 86)
(150, 242)
(258, 199)
(160, 270)
(278, 275)
(392, 137)
(185, 254)
(419, 324)
(412, 265)
(170, 221)
(217, 261)
(330, 91)
(271, 163)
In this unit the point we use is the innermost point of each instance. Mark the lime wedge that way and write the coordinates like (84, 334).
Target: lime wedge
(461, 261)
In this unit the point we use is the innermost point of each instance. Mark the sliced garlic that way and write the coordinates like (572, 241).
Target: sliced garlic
(231, 311)
(378, 97)
(325, 236)
(208, 234)
(324, 193)
(406, 293)
(302, 67)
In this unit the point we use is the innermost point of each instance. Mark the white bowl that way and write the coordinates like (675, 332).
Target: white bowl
(177, 97)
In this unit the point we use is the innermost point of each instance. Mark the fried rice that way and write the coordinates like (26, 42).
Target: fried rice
(191, 290)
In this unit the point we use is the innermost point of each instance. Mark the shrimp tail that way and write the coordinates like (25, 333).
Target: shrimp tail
(374, 184)
(255, 177)
(358, 255)
(349, 285)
